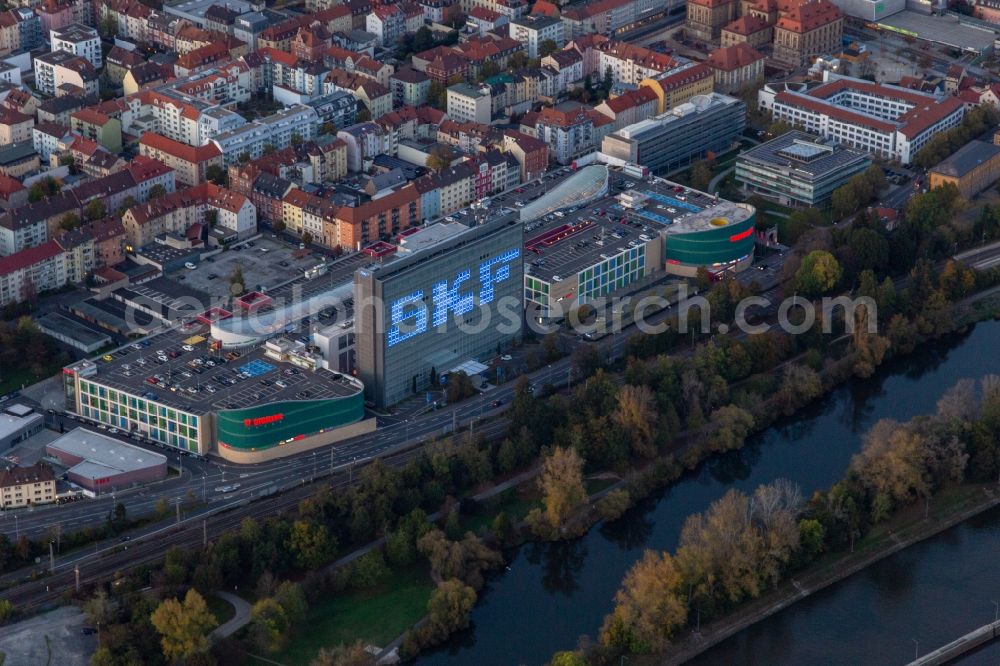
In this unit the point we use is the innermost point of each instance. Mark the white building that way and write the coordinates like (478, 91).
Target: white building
(886, 120)
(79, 40)
(32, 271)
(531, 31)
(469, 103)
(275, 131)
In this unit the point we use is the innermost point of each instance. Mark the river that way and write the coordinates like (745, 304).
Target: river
(554, 593)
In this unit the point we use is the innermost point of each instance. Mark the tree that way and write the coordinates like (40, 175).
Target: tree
(69, 221)
(95, 210)
(156, 191)
(307, 238)
(437, 95)
(701, 175)
(450, 605)
(440, 158)
(465, 560)
(561, 483)
(729, 426)
(818, 273)
(778, 127)
(344, 655)
(98, 609)
(236, 281)
(183, 626)
(364, 115)
(310, 545)
(268, 625)
(844, 201)
(217, 175)
(636, 415)
(423, 39)
(488, 69)
(649, 607)
(369, 569)
(547, 47)
(459, 387)
(243, 157)
(293, 601)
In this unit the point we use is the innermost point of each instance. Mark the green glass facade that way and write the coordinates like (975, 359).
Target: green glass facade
(711, 246)
(265, 426)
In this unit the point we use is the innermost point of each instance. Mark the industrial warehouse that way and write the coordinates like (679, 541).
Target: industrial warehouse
(101, 464)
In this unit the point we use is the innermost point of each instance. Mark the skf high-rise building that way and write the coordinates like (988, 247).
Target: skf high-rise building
(452, 294)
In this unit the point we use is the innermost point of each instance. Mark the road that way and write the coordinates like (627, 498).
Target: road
(237, 621)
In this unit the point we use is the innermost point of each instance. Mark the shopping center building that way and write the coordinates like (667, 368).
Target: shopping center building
(603, 231)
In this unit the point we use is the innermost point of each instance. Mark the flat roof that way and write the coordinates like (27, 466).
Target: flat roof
(125, 372)
(945, 30)
(564, 246)
(63, 325)
(108, 452)
(804, 153)
(11, 424)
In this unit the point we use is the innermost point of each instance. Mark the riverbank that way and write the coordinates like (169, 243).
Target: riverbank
(910, 526)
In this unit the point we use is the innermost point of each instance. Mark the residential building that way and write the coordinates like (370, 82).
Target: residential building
(469, 103)
(629, 108)
(749, 29)
(531, 154)
(80, 40)
(96, 126)
(29, 272)
(189, 163)
(15, 127)
(58, 69)
(533, 30)
(27, 486)
(568, 133)
(798, 169)
(177, 212)
(409, 87)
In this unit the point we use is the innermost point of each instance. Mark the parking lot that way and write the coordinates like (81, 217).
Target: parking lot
(175, 369)
(265, 262)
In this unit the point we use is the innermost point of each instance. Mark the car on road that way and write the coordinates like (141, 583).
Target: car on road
(506, 357)
(496, 403)
(188, 348)
(228, 488)
(190, 266)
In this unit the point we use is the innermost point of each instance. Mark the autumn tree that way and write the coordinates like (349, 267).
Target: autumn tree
(465, 560)
(269, 625)
(440, 157)
(637, 416)
(728, 427)
(95, 210)
(183, 626)
(701, 175)
(818, 273)
(310, 544)
(891, 466)
(650, 606)
(344, 655)
(449, 607)
(561, 483)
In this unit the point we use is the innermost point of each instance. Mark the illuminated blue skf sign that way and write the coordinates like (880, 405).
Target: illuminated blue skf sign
(409, 316)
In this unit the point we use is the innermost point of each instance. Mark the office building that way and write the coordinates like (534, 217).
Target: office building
(685, 134)
(799, 169)
(974, 167)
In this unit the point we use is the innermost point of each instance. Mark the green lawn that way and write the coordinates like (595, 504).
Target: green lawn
(516, 502)
(220, 608)
(14, 379)
(374, 616)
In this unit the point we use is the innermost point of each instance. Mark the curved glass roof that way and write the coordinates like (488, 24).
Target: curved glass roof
(587, 184)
